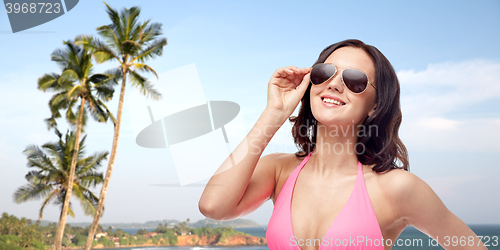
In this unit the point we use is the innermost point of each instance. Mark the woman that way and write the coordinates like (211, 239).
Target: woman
(348, 191)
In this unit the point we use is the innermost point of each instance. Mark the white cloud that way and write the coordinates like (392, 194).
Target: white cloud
(430, 96)
(438, 123)
(445, 186)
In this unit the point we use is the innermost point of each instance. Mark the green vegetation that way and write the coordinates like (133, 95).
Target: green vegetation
(23, 233)
(141, 232)
(224, 232)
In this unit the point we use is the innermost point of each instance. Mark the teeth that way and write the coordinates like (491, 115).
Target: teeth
(328, 100)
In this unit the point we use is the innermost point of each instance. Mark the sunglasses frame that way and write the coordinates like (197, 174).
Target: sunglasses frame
(342, 77)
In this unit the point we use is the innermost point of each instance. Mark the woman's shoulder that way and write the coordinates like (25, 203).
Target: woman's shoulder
(283, 159)
(400, 185)
(412, 198)
(282, 162)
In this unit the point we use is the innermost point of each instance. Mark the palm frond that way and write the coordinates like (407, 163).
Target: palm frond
(95, 78)
(31, 192)
(61, 58)
(116, 25)
(93, 162)
(72, 53)
(48, 82)
(35, 177)
(138, 31)
(144, 86)
(37, 159)
(88, 201)
(153, 50)
(59, 101)
(96, 110)
(132, 16)
(151, 32)
(110, 37)
(104, 92)
(131, 47)
(70, 116)
(86, 42)
(68, 75)
(76, 91)
(47, 200)
(91, 179)
(143, 68)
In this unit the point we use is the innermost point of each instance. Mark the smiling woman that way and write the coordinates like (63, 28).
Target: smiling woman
(348, 190)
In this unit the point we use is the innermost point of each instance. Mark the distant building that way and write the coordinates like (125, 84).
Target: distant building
(99, 235)
(115, 240)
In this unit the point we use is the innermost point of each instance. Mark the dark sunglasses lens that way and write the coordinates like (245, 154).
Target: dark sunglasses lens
(355, 80)
(321, 73)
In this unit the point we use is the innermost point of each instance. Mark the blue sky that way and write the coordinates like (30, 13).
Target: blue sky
(446, 54)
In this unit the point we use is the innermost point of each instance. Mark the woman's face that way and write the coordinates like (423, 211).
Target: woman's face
(354, 107)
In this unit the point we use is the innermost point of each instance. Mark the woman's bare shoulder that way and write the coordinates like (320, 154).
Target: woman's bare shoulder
(416, 202)
(281, 159)
(400, 185)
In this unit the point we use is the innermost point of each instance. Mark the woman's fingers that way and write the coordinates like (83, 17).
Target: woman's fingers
(292, 73)
(302, 87)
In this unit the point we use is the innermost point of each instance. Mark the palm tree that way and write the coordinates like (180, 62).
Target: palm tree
(76, 84)
(130, 43)
(51, 175)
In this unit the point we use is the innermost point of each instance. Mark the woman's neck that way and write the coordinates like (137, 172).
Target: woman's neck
(335, 150)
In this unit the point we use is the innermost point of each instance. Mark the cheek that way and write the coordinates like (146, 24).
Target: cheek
(313, 93)
(314, 90)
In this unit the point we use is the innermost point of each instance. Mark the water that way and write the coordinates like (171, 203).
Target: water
(409, 235)
(132, 231)
(254, 231)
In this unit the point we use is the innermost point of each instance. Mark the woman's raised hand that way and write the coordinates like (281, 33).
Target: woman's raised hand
(285, 90)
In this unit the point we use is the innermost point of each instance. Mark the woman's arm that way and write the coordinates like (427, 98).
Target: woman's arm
(424, 210)
(244, 181)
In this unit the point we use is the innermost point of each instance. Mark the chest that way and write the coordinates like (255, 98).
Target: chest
(321, 205)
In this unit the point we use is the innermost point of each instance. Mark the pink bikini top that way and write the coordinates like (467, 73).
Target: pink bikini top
(355, 227)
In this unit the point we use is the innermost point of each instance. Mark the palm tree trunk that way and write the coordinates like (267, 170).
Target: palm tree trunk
(69, 190)
(111, 163)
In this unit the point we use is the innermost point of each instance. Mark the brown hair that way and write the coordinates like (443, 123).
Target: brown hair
(383, 150)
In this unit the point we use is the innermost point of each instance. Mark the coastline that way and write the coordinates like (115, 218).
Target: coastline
(194, 240)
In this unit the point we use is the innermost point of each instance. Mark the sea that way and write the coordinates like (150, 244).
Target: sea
(410, 238)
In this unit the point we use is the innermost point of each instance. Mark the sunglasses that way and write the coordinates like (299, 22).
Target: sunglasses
(355, 80)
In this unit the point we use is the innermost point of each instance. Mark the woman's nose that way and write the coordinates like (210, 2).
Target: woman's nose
(336, 82)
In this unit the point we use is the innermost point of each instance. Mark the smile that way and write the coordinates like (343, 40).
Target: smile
(332, 101)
